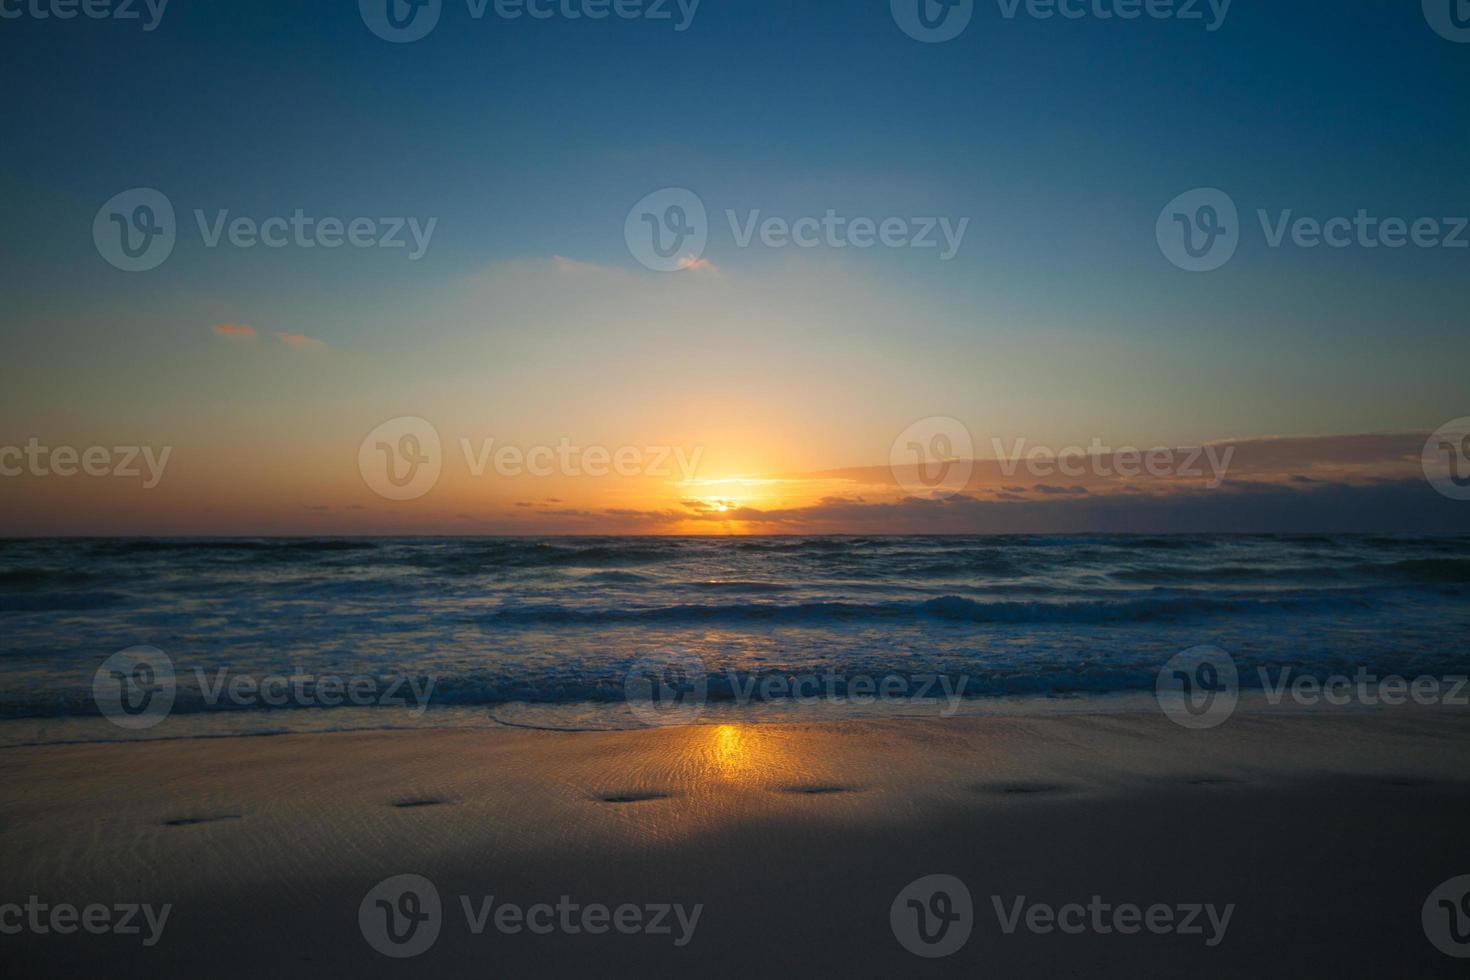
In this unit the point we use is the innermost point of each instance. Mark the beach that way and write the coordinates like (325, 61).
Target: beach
(1313, 837)
(661, 489)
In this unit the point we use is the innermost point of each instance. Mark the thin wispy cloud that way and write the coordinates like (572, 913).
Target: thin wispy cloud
(301, 342)
(234, 331)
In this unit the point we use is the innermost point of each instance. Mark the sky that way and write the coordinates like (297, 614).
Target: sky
(1056, 314)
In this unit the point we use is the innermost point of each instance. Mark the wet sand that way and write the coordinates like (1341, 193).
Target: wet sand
(1326, 832)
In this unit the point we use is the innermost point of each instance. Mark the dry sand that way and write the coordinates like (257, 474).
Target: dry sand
(1326, 831)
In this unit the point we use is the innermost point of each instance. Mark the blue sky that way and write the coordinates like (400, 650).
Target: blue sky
(526, 140)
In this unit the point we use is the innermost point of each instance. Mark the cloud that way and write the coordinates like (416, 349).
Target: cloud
(1362, 483)
(1298, 461)
(1244, 507)
(236, 331)
(241, 331)
(302, 342)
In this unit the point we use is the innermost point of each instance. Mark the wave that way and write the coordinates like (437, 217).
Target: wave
(782, 546)
(617, 578)
(968, 565)
(755, 588)
(480, 557)
(1183, 543)
(1431, 569)
(58, 601)
(29, 579)
(1424, 570)
(949, 607)
(1222, 573)
(278, 546)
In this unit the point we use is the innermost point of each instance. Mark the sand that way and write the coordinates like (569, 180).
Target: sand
(1323, 832)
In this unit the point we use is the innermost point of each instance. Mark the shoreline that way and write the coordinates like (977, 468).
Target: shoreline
(1316, 828)
(612, 716)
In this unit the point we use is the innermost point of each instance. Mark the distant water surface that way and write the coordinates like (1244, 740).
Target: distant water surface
(547, 628)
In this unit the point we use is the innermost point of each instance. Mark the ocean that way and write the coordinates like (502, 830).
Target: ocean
(547, 632)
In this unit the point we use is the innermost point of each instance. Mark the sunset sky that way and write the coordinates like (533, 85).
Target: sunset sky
(788, 372)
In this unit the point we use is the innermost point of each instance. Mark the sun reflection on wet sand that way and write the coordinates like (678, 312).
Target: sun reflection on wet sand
(751, 756)
(729, 753)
